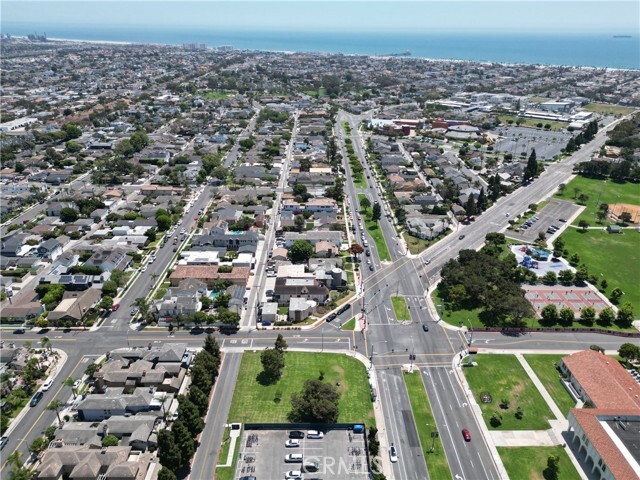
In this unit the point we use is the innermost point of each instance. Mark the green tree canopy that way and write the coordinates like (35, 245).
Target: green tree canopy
(317, 403)
(300, 251)
(272, 363)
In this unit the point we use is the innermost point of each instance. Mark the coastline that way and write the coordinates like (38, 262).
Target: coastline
(294, 52)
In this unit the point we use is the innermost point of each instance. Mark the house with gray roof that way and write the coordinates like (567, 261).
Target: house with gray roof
(121, 401)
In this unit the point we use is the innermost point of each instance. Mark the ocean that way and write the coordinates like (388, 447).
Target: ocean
(595, 50)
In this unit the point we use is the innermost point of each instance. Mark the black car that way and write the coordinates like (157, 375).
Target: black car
(296, 434)
(3, 442)
(344, 308)
(36, 399)
(460, 237)
(425, 327)
(367, 252)
(331, 317)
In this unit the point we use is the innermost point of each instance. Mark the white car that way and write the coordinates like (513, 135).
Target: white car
(47, 385)
(314, 434)
(393, 455)
(76, 384)
(292, 443)
(293, 474)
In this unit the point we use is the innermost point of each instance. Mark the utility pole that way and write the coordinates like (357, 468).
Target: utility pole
(434, 435)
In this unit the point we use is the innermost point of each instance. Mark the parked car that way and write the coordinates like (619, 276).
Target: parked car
(76, 384)
(3, 441)
(331, 317)
(466, 435)
(293, 458)
(292, 443)
(115, 307)
(296, 434)
(293, 474)
(314, 434)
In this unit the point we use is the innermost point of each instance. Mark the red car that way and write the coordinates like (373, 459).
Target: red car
(115, 307)
(466, 435)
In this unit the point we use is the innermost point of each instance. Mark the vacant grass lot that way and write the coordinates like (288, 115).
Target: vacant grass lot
(254, 402)
(503, 377)
(613, 257)
(606, 109)
(599, 191)
(437, 464)
(544, 366)
(532, 122)
(530, 462)
(215, 95)
(400, 309)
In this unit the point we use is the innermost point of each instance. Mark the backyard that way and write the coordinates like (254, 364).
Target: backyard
(437, 464)
(545, 368)
(257, 402)
(506, 382)
(530, 462)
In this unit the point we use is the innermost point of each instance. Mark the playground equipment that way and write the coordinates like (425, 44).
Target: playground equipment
(529, 262)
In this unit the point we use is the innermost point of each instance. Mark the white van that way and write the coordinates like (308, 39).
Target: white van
(293, 458)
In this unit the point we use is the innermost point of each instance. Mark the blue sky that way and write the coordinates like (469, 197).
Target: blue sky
(452, 16)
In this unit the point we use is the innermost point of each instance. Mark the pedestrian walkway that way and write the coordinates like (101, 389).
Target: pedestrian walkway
(525, 438)
(541, 388)
(234, 435)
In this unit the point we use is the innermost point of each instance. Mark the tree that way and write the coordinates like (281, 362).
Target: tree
(552, 470)
(281, 343)
(68, 382)
(317, 403)
(166, 474)
(201, 377)
(470, 207)
(625, 217)
(629, 351)
(46, 343)
(583, 224)
(142, 305)
(184, 441)
(68, 215)
(38, 445)
(566, 316)
(365, 203)
(124, 148)
(565, 276)
(109, 289)
(55, 405)
(199, 399)
(550, 278)
(376, 213)
(549, 314)
(272, 363)
(211, 345)
(72, 147)
(169, 453)
(606, 317)
(615, 295)
(163, 222)
(300, 251)
(106, 303)
(189, 415)
(110, 441)
(531, 170)
(356, 249)
(582, 274)
(139, 140)
(151, 234)
(300, 191)
(588, 315)
(625, 315)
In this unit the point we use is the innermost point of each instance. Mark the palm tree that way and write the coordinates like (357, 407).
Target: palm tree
(46, 343)
(15, 459)
(55, 405)
(69, 382)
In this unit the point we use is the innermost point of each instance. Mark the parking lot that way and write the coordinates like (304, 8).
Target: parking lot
(339, 455)
(522, 139)
(549, 216)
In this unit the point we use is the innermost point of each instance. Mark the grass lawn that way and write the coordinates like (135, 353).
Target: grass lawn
(349, 324)
(437, 464)
(619, 266)
(503, 377)
(599, 191)
(606, 109)
(215, 95)
(400, 309)
(544, 366)
(416, 245)
(532, 122)
(457, 317)
(254, 402)
(530, 462)
(373, 228)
